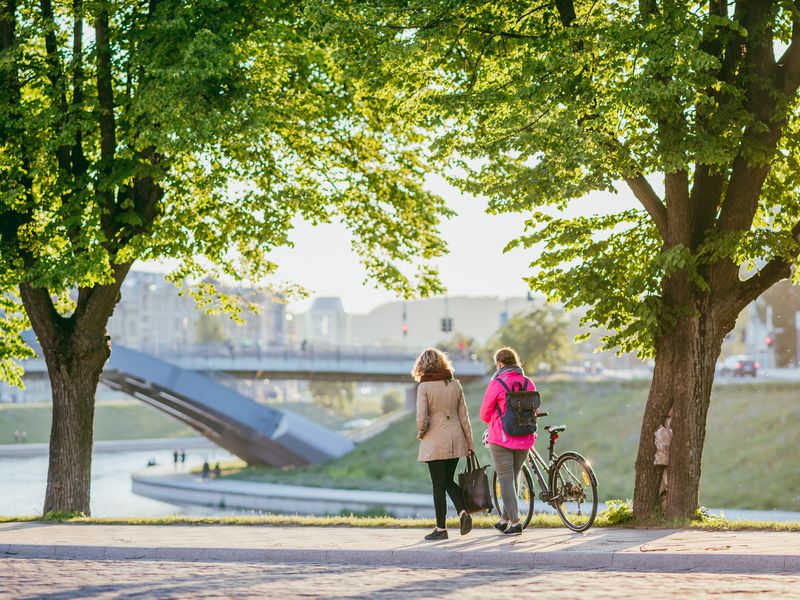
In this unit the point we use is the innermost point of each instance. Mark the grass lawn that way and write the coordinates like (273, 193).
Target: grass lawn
(539, 521)
(114, 420)
(750, 427)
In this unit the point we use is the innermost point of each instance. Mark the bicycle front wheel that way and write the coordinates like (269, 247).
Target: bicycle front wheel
(525, 495)
(574, 491)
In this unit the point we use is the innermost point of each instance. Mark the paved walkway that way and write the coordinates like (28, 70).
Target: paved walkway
(48, 579)
(617, 549)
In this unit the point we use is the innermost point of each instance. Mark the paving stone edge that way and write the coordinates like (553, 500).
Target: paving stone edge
(617, 561)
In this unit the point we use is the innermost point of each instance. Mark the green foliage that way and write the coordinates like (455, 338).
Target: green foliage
(538, 335)
(391, 401)
(209, 329)
(617, 512)
(535, 111)
(198, 132)
(63, 516)
(338, 396)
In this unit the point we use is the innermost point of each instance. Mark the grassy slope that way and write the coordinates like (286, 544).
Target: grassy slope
(750, 427)
(114, 420)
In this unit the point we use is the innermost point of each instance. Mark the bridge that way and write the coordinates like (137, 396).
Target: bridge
(332, 364)
(258, 434)
(174, 383)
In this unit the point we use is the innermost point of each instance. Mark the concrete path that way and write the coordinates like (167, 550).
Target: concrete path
(616, 549)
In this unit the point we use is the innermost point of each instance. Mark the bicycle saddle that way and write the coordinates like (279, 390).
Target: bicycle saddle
(555, 428)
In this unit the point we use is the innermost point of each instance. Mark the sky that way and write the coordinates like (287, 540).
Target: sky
(323, 261)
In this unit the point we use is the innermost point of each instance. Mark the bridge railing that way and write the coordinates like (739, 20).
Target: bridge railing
(309, 353)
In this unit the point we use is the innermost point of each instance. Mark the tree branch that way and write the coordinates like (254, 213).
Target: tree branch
(774, 271)
(79, 163)
(503, 34)
(56, 76)
(652, 203)
(105, 97)
(42, 313)
(789, 62)
(566, 11)
(91, 316)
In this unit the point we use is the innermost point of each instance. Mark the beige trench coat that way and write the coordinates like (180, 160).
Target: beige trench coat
(443, 426)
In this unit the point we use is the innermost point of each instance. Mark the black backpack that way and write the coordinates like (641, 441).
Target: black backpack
(521, 406)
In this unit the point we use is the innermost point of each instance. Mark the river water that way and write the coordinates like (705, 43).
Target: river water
(23, 482)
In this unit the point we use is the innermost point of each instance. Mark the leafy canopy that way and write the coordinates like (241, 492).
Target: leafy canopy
(194, 131)
(537, 105)
(539, 335)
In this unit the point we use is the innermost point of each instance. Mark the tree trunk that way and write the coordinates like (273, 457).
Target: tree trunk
(74, 378)
(75, 349)
(681, 388)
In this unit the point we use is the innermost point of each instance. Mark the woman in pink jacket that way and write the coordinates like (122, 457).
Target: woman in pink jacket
(508, 452)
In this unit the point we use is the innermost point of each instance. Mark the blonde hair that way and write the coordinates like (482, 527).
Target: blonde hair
(429, 360)
(507, 357)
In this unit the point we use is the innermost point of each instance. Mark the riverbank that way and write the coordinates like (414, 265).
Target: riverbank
(183, 489)
(106, 446)
(123, 419)
(749, 426)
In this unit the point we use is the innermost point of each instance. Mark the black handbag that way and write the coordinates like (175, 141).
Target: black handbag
(474, 485)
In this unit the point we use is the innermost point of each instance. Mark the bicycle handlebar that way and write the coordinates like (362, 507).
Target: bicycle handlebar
(542, 414)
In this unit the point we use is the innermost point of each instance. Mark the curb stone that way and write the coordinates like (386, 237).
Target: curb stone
(616, 561)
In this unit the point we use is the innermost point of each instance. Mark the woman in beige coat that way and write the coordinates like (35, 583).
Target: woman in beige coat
(445, 434)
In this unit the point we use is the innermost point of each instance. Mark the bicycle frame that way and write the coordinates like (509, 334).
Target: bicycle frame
(541, 469)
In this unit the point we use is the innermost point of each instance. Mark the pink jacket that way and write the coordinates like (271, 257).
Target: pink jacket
(496, 396)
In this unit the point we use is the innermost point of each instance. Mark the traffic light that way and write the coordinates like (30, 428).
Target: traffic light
(769, 340)
(447, 324)
(405, 329)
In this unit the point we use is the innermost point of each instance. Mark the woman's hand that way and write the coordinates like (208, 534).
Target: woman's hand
(470, 451)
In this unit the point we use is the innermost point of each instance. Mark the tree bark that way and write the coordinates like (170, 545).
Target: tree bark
(74, 382)
(681, 387)
(75, 349)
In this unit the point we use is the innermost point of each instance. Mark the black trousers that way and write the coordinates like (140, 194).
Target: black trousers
(442, 472)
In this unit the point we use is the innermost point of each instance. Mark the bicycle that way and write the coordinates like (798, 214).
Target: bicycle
(566, 482)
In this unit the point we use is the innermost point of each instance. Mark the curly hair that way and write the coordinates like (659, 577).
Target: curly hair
(429, 360)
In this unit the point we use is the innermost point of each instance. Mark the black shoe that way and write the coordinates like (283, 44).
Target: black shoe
(437, 535)
(466, 523)
(514, 529)
(500, 526)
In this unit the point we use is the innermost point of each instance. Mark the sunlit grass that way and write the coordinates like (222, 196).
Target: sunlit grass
(539, 521)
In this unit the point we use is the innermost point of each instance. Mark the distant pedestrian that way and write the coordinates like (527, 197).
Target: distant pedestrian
(23, 437)
(217, 471)
(206, 471)
(445, 434)
(17, 436)
(183, 456)
(175, 457)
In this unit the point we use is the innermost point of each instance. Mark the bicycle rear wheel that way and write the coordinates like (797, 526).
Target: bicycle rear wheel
(525, 495)
(574, 491)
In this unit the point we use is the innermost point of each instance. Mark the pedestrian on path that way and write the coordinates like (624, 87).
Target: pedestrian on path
(206, 471)
(508, 452)
(445, 434)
